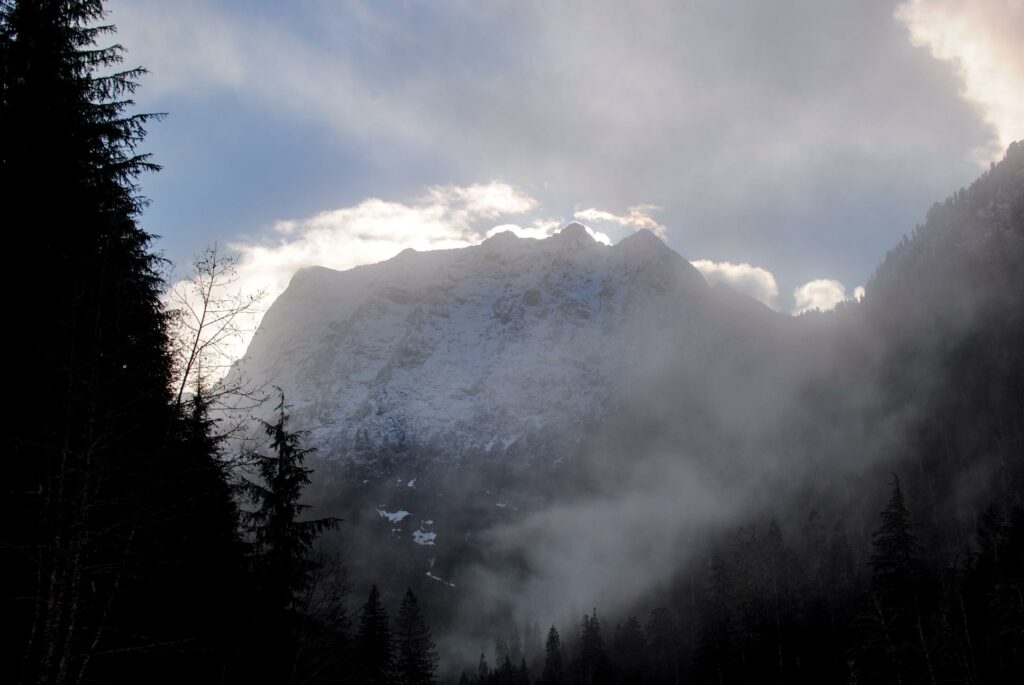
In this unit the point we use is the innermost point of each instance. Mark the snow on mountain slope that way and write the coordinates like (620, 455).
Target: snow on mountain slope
(472, 349)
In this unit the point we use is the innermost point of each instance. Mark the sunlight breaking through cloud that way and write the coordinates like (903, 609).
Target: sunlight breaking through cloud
(637, 217)
(984, 41)
(744, 278)
(374, 230)
(822, 294)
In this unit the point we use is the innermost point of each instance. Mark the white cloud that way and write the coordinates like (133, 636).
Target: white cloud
(823, 294)
(374, 230)
(984, 41)
(537, 231)
(637, 217)
(544, 229)
(750, 280)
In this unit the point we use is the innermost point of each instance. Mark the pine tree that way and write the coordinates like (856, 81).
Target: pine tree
(417, 654)
(553, 670)
(374, 650)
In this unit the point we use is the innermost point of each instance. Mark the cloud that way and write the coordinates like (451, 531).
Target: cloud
(823, 294)
(698, 108)
(543, 229)
(252, 56)
(750, 280)
(373, 230)
(637, 218)
(983, 42)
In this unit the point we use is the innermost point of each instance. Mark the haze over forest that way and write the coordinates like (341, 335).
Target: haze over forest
(604, 344)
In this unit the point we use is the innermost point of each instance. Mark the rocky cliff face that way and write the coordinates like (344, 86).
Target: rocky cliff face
(481, 349)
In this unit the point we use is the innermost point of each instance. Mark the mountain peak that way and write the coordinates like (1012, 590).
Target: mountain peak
(644, 239)
(644, 245)
(574, 233)
(500, 238)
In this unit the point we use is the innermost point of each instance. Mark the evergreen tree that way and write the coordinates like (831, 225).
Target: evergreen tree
(994, 582)
(553, 673)
(630, 652)
(895, 562)
(504, 674)
(592, 665)
(108, 505)
(663, 641)
(374, 651)
(522, 673)
(896, 646)
(282, 544)
(483, 671)
(417, 654)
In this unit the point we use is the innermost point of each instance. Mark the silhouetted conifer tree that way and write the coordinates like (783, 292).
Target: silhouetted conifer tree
(483, 671)
(522, 673)
(282, 544)
(553, 673)
(895, 617)
(416, 661)
(895, 561)
(630, 652)
(374, 650)
(992, 619)
(112, 506)
(663, 640)
(503, 673)
(592, 666)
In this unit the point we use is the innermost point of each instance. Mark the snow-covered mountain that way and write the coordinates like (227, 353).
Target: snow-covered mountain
(480, 349)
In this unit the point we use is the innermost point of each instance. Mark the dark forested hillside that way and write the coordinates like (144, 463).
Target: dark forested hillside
(898, 556)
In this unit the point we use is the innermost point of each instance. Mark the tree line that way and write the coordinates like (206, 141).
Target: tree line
(761, 609)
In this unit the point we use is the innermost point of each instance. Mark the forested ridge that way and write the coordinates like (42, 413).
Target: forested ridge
(137, 547)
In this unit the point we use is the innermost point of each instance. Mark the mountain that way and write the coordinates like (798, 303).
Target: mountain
(491, 349)
(522, 428)
(451, 393)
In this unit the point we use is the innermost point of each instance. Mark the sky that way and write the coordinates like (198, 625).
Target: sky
(782, 147)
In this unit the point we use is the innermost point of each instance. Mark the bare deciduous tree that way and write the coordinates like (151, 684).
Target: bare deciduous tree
(209, 317)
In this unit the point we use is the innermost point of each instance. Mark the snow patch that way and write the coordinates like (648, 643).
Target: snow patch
(394, 516)
(440, 580)
(422, 537)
